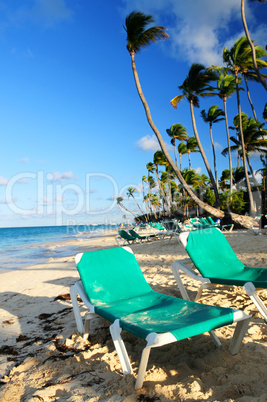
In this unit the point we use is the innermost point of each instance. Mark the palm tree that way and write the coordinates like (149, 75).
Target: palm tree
(119, 202)
(238, 59)
(253, 141)
(191, 146)
(182, 149)
(224, 179)
(249, 73)
(239, 175)
(160, 159)
(264, 114)
(197, 84)
(144, 180)
(214, 115)
(226, 87)
(137, 37)
(177, 132)
(150, 169)
(251, 44)
(130, 193)
(155, 202)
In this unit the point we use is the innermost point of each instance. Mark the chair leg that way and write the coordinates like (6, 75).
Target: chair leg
(79, 322)
(215, 339)
(142, 367)
(115, 331)
(204, 285)
(87, 321)
(175, 271)
(251, 292)
(240, 330)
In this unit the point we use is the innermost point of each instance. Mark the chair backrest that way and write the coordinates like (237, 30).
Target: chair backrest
(125, 235)
(210, 220)
(111, 275)
(134, 234)
(159, 226)
(212, 254)
(204, 221)
(169, 225)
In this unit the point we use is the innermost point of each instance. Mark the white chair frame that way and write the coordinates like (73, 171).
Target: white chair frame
(153, 339)
(186, 266)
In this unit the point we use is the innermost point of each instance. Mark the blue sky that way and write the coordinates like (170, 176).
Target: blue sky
(74, 133)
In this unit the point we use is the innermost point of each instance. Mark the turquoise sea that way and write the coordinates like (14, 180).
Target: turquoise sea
(25, 246)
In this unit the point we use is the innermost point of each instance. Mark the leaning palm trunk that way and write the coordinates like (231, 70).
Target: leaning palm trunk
(245, 221)
(214, 156)
(215, 188)
(126, 209)
(229, 146)
(251, 45)
(138, 206)
(249, 98)
(251, 201)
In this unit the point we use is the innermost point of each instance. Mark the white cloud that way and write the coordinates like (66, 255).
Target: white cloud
(47, 201)
(148, 143)
(24, 160)
(198, 170)
(3, 181)
(59, 177)
(198, 29)
(218, 146)
(47, 12)
(11, 201)
(52, 10)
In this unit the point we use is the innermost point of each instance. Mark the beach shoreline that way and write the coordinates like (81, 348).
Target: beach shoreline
(56, 248)
(43, 358)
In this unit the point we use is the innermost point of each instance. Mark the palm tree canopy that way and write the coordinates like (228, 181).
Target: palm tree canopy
(190, 176)
(226, 85)
(137, 34)
(177, 132)
(213, 115)
(253, 132)
(239, 58)
(239, 174)
(197, 83)
(150, 167)
(160, 158)
(191, 145)
(264, 114)
(130, 191)
(182, 148)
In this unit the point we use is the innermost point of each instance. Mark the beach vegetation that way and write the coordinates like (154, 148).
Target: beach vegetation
(251, 44)
(212, 116)
(198, 84)
(225, 197)
(225, 89)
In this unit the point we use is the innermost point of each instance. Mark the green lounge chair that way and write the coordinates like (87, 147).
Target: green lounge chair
(125, 237)
(216, 263)
(229, 226)
(136, 235)
(113, 286)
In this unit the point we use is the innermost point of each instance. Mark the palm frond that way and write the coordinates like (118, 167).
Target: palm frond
(174, 102)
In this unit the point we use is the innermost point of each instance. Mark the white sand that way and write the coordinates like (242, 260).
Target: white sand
(44, 359)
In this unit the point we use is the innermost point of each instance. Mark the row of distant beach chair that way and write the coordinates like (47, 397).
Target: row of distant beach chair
(168, 228)
(112, 286)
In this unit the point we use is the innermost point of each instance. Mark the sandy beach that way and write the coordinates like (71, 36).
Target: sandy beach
(43, 358)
